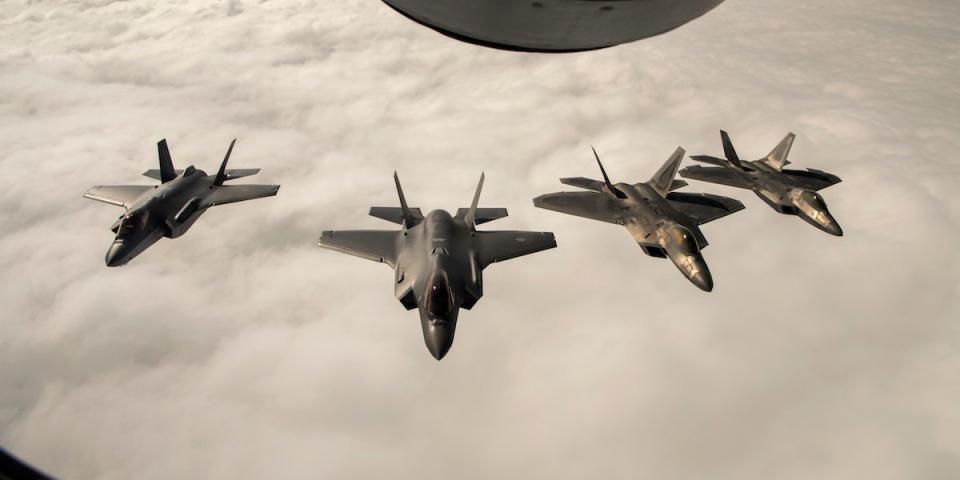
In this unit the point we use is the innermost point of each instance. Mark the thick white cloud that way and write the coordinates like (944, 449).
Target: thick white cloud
(243, 350)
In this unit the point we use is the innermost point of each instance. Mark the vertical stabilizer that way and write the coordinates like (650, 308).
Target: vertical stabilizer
(778, 156)
(407, 219)
(222, 174)
(606, 179)
(167, 172)
(663, 179)
(470, 217)
(729, 151)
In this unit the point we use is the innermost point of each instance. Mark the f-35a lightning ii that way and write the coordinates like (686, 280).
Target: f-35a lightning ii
(792, 192)
(438, 260)
(665, 223)
(169, 209)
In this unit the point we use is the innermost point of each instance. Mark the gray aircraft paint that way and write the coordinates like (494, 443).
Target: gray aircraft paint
(438, 259)
(171, 208)
(663, 222)
(552, 25)
(791, 192)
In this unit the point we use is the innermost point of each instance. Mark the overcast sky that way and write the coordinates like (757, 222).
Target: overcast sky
(242, 350)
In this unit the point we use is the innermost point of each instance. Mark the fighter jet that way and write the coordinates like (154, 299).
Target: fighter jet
(792, 192)
(438, 260)
(551, 25)
(171, 208)
(665, 223)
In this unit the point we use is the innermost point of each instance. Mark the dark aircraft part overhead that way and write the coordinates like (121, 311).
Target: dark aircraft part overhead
(12, 468)
(551, 25)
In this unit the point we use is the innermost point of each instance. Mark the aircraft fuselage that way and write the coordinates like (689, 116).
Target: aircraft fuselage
(437, 273)
(168, 210)
(650, 219)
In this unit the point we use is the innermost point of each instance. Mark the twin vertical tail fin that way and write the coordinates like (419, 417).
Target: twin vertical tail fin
(777, 158)
(404, 209)
(167, 171)
(729, 151)
(662, 181)
(606, 179)
(471, 217)
(222, 173)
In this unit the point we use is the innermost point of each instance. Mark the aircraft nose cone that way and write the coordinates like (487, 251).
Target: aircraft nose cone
(438, 334)
(703, 280)
(439, 343)
(116, 254)
(833, 228)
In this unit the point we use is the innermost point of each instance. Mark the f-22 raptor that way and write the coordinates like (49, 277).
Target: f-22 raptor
(665, 223)
(792, 192)
(171, 208)
(438, 260)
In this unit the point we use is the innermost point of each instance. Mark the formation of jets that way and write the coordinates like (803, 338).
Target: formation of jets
(438, 258)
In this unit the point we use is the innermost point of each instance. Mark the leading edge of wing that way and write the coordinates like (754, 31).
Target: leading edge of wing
(497, 246)
(119, 195)
(721, 175)
(592, 205)
(375, 245)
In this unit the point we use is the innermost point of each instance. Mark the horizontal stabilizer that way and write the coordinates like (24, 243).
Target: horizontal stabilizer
(483, 215)
(395, 214)
(238, 193)
(676, 184)
(584, 183)
(231, 173)
(154, 173)
(711, 160)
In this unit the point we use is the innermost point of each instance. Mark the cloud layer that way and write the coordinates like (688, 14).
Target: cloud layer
(242, 350)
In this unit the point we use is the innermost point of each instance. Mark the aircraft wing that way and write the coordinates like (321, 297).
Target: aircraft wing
(703, 207)
(375, 245)
(595, 206)
(238, 193)
(810, 179)
(498, 246)
(721, 175)
(119, 195)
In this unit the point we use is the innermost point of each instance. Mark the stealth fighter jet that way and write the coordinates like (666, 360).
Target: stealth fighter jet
(665, 223)
(169, 209)
(792, 192)
(438, 260)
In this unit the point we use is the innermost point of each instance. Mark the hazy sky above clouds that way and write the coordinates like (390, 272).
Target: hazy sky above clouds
(243, 350)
